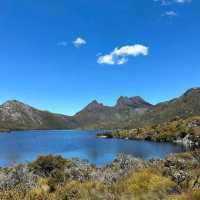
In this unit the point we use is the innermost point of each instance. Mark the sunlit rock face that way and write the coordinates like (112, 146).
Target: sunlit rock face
(132, 102)
(17, 115)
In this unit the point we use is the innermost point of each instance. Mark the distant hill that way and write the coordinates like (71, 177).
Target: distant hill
(15, 115)
(127, 113)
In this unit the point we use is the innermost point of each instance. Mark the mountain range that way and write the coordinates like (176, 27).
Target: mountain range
(127, 113)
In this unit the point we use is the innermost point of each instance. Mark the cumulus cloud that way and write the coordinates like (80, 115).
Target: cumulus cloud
(120, 56)
(170, 13)
(78, 42)
(62, 43)
(106, 59)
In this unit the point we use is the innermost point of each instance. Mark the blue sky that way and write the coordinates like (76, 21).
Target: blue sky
(52, 53)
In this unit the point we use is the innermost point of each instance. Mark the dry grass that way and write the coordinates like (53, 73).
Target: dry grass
(190, 195)
(143, 185)
(149, 183)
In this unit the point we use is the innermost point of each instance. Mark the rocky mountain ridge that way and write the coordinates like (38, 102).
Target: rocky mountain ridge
(128, 112)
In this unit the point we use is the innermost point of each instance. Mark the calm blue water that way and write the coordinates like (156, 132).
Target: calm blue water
(25, 146)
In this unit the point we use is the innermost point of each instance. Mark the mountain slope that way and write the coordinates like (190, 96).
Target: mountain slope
(134, 112)
(127, 113)
(16, 115)
(186, 105)
(97, 115)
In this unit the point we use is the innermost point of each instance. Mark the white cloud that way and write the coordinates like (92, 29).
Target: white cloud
(120, 55)
(106, 59)
(62, 43)
(122, 61)
(131, 50)
(170, 13)
(78, 42)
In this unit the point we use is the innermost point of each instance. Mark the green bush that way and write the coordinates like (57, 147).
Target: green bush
(51, 167)
(48, 165)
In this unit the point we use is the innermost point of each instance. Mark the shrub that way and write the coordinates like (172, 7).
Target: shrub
(19, 175)
(52, 167)
(48, 165)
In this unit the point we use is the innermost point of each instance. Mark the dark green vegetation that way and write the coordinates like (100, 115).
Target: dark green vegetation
(185, 131)
(54, 178)
(127, 113)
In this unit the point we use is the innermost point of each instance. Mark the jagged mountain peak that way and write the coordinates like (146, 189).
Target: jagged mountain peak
(94, 105)
(95, 102)
(134, 102)
(128, 112)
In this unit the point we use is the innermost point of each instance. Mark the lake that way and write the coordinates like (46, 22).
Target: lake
(25, 146)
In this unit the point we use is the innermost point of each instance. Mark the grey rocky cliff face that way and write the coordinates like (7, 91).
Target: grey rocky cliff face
(94, 105)
(132, 102)
(17, 111)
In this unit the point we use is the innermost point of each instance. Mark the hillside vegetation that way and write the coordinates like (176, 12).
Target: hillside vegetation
(177, 130)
